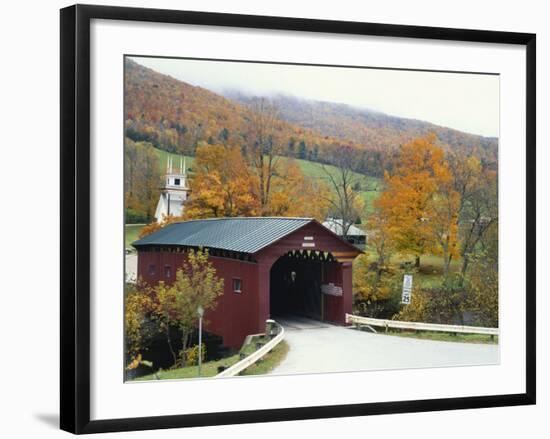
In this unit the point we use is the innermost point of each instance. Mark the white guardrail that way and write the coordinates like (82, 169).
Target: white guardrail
(255, 356)
(350, 318)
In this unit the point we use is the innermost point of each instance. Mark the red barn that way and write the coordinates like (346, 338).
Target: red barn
(271, 267)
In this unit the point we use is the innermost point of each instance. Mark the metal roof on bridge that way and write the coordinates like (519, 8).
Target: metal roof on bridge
(246, 235)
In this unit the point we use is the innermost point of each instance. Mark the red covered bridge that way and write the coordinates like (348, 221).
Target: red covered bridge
(271, 267)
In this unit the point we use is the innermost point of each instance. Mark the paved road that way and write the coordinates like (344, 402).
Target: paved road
(320, 347)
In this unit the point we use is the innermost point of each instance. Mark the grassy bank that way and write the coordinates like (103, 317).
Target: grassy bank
(210, 368)
(441, 336)
(270, 361)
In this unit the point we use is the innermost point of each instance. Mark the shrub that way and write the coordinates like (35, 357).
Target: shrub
(190, 356)
(135, 217)
(417, 310)
(483, 292)
(138, 327)
(443, 305)
(377, 293)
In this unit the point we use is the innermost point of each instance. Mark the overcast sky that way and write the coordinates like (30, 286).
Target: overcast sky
(467, 102)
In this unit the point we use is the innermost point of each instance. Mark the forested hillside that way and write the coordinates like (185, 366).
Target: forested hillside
(372, 129)
(177, 117)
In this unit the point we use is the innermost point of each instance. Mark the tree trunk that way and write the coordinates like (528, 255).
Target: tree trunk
(378, 276)
(464, 269)
(446, 269)
(184, 340)
(446, 265)
(417, 261)
(169, 340)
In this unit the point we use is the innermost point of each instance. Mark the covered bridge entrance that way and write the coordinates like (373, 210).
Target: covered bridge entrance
(271, 267)
(297, 281)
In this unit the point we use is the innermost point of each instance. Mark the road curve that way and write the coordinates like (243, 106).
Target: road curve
(317, 347)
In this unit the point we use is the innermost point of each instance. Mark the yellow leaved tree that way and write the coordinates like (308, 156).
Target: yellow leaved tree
(421, 203)
(222, 185)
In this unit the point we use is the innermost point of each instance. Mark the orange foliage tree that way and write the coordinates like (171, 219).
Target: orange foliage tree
(155, 226)
(294, 194)
(421, 203)
(227, 184)
(222, 185)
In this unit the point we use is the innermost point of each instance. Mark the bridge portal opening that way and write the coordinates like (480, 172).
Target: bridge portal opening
(296, 284)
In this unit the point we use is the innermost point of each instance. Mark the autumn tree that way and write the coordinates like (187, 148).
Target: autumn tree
(407, 198)
(421, 202)
(477, 206)
(443, 221)
(294, 194)
(141, 181)
(222, 185)
(466, 175)
(263, 147)
(345, 202)
(478, 215)
(483, 279)
(380, 237)
(196, 284)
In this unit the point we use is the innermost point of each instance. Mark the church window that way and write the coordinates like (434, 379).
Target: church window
(152, 270)
(177, 181)
(167, 271)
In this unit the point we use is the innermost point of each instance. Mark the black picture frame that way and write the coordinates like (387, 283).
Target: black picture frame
(75, 217)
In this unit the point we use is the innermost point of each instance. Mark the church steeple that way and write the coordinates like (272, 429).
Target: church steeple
(175, 192)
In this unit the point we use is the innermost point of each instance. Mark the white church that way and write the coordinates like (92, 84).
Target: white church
(175, 192)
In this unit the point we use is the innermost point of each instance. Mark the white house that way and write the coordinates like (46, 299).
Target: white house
(354, 236)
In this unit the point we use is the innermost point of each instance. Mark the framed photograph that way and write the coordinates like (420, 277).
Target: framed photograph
(274, 218)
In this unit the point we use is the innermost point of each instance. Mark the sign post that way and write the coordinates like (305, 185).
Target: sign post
(407, 289)
(200, 312)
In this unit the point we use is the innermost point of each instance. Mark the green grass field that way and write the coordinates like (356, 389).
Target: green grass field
(316, 170)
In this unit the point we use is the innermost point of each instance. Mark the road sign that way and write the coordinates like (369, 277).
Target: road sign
(407, 289)
(331, 289)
